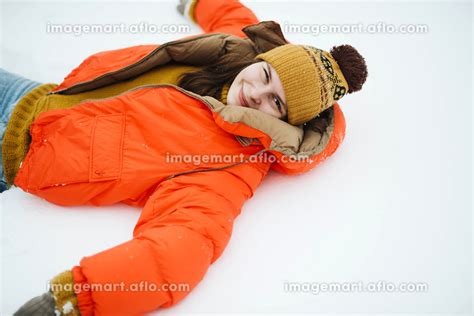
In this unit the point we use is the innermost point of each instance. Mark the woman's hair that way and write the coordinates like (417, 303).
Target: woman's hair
(211, 79)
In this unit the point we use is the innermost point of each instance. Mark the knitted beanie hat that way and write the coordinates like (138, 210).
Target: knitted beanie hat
(313, 79)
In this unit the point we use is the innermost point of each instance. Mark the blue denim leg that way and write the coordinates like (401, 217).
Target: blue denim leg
(12, 88)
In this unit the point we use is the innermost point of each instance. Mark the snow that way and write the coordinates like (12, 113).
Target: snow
(68, 307)
(392, 204)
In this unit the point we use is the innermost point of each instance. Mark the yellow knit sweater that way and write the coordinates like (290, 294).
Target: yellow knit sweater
(17, 138)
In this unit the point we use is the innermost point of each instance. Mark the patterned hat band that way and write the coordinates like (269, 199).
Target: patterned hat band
(311, 79)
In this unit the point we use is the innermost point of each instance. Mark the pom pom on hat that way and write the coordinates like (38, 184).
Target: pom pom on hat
(352, 65)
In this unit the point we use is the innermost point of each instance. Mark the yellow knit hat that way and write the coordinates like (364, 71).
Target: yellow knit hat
(311, 79)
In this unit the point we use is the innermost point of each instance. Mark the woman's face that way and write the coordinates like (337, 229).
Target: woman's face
(258, 86)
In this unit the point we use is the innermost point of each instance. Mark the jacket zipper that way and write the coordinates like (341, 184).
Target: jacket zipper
(195, 97)
(239, 138)
(152, 85)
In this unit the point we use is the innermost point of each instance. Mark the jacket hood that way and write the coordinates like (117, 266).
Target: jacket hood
(304, 144)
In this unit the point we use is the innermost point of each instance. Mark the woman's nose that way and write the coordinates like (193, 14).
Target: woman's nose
(255, 100)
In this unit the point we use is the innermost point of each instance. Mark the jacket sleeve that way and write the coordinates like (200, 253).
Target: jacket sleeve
(219, 16)
(184, 227)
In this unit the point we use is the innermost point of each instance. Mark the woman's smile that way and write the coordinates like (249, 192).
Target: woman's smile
(243, 100)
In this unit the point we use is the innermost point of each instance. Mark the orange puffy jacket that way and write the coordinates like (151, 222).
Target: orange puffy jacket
(140, 148)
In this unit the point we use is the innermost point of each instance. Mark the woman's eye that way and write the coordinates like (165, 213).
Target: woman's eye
(266, 75)
(277, 102)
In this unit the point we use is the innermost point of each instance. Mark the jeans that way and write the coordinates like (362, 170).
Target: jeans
(12, 88)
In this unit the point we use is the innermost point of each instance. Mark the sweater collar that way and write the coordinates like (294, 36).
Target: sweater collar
(225, 91)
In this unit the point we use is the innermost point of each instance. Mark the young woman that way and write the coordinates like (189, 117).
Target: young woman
(187, 130)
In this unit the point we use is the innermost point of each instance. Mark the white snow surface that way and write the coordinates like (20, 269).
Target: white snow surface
(393, 204)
